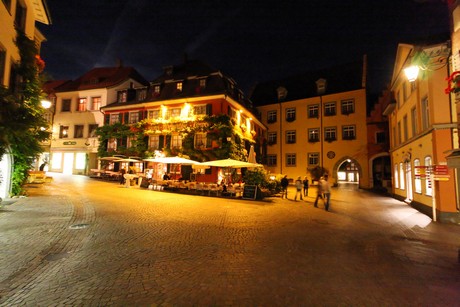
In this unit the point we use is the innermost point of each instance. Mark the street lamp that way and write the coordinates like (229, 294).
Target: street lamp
(411, 72)
(46, 104)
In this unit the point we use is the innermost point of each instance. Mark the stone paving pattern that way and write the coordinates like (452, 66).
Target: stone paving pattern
(83, 242)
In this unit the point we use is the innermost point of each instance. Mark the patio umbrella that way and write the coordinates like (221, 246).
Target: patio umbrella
(252, 155)
(127, 160)
(231, 163)
(112, 158)
(172, 160)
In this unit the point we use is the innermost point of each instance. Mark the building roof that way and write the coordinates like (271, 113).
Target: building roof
(189, 73)
(342, 78)
(102, 77)
(50, 86)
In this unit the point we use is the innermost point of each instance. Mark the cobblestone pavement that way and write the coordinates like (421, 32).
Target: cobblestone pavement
(82, 242)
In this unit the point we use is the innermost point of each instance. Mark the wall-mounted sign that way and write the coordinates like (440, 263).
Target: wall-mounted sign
(331, 154)
(70, 143)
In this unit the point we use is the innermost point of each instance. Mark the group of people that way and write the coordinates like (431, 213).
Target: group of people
(301, 186)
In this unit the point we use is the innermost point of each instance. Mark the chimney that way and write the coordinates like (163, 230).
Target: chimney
(119, 63)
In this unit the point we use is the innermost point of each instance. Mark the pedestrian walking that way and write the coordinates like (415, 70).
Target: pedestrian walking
(327, 192)
(298, 188)
(284, 185)
(305, 186)
(319, 192)
(122, 175)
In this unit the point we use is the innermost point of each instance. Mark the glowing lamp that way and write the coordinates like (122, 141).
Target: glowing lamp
(411, 73)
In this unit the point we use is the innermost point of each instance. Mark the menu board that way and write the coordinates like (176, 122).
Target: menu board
(249, 192)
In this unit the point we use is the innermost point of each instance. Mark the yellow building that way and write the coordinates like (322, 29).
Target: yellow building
(423, 130)
(16, 15)
(317, 119)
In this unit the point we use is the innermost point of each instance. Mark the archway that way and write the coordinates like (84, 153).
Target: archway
(347, 171)
(380, 172)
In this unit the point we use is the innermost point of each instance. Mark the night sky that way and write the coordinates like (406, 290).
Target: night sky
(250, 41)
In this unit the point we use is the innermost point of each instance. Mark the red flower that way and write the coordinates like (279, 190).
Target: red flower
(40, 63)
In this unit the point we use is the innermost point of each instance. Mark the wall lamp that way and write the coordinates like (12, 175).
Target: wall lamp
(427, 59)
(46, 104)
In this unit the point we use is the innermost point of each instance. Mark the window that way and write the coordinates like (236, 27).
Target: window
(396, 176)
(401, 176)
(202, 83)
(271, 117)
(114, 118)
(81, 104)
(133, 117)
(290, 137)
(153, 114)
(96, 103)
(413, 119)
(200, 140)
(380, 137)
(329, 109)
(141, 94)
(290, 114)
(406, 132)
(66, 103)
(313, 135)
(313, 111)
(418, 180)
(271, 160)
(291, 159)
(348, 106)
(313, 158)
(330, 134)
(272, 138)
(2, 65)
(399, 133)
(78, 131)
(349, 132)
(154, 142)
(428, 183)
(112, 144)
(199, 109)
(122, 96)
(156, 90)
(63, 132)
(175, 112)
(176, 141)
(179, 86)
(425, 114)
(20, 18)
(92, 130)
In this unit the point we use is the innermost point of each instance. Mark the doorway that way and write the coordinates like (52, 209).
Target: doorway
(68, 163)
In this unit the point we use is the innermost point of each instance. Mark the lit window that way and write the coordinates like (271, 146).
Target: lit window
(80, 160)
(313, 135)
(63, 132)
(122, 96)
(92, 130)
(175, 112)
(418, 180)
(112, 144)
(179, 86)
(401, 176)
(114, 118)
(81, 104)
(396, 176)
(200, 140)
(199, 109)
(291, 159)
(133, 117)
(141, 94)
(153, 114)
(428, 182)
(176, 141)
(154, 142)
(202, 83)
(96, 103)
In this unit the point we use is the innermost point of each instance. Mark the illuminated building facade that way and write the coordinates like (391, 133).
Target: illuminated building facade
(77, 115)
(317, 119)
(190, 110)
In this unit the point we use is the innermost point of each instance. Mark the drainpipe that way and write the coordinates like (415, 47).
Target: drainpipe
(281, 139)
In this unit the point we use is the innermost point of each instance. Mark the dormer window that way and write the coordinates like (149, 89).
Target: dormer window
(202, 83)
(122, 96)
(321, 86)
(282, 93)
(179, 86)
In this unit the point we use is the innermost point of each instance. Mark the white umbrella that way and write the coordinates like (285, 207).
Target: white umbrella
(112, 158)
(252, 155)
(173, 160)
(230, 163)
(127, 160)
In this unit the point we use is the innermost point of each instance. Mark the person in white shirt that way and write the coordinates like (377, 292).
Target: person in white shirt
(326, 189)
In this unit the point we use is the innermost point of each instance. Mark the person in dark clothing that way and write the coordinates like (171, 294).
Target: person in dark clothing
(122, 176)
(305, 186)
(284, 185)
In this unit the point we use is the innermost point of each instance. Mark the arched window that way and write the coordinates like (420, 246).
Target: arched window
(396, 177)
(428, 182)
(418, 180)
(401, 176)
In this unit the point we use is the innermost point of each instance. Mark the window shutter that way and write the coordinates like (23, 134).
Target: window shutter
(161, 141)
(141, 115)
(209, 109)
(106, 119)
(126, 116)
(168, 141)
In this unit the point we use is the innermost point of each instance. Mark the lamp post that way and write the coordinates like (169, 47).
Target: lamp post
(411, 72)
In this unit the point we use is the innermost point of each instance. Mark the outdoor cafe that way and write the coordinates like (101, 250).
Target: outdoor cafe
(176, 174)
